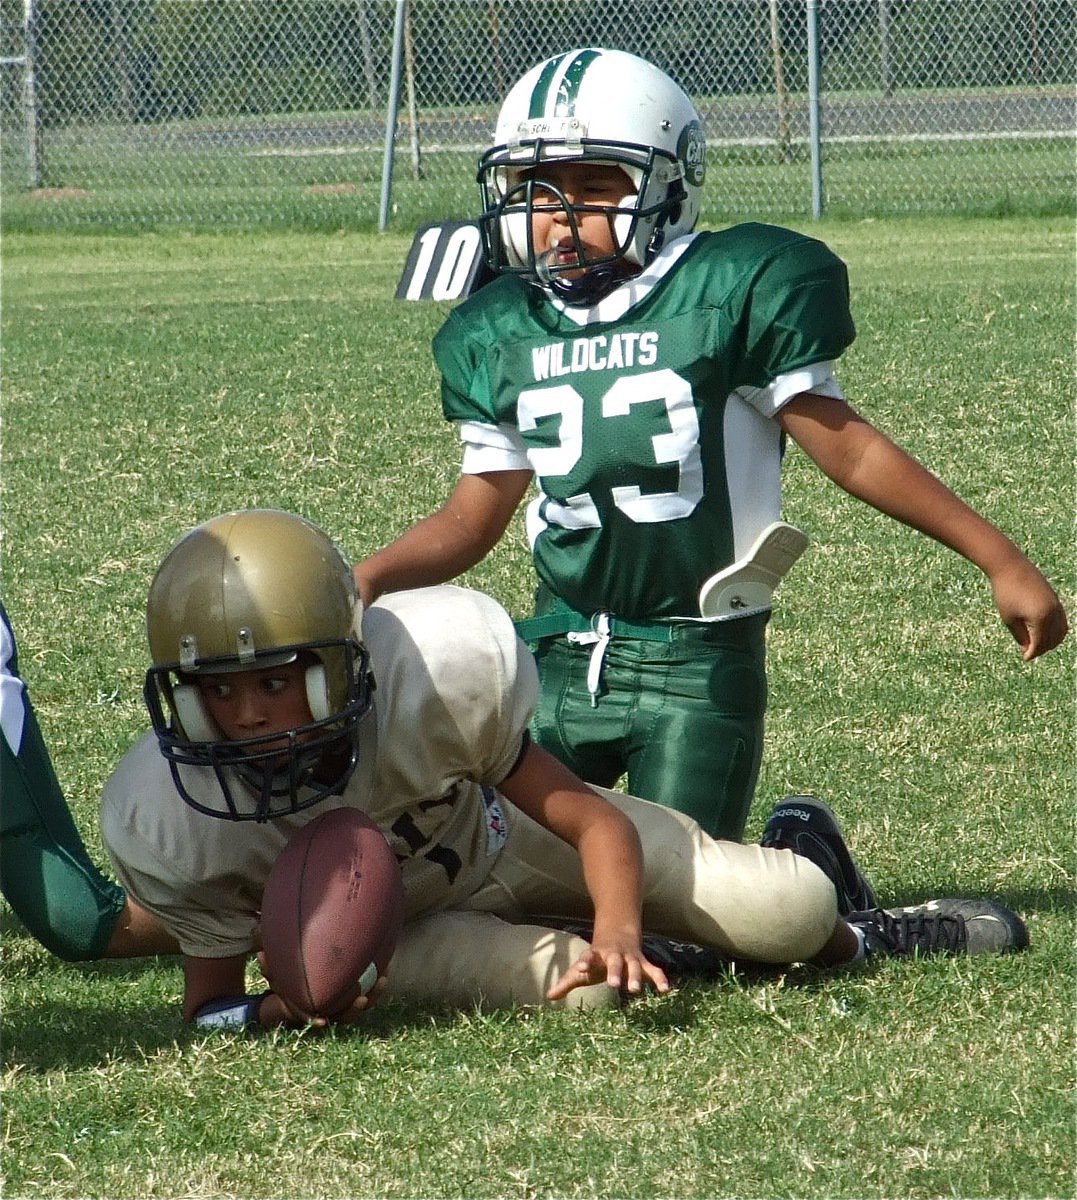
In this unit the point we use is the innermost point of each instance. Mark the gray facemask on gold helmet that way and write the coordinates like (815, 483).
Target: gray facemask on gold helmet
(246, 591)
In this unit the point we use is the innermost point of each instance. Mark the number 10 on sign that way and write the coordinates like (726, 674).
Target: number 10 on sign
(444, 263)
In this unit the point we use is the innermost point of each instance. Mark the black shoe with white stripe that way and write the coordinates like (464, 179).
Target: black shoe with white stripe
(807, 826)
(941, 927)
(681, 961)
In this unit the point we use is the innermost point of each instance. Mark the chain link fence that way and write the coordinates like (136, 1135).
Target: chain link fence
(138, 113)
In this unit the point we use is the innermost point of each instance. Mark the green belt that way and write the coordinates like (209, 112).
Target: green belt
(743, 631)
(566, 620)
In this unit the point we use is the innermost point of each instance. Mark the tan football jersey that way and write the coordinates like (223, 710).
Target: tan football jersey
(455, 690)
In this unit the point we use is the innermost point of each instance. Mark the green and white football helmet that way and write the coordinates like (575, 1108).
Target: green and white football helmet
(603, 106)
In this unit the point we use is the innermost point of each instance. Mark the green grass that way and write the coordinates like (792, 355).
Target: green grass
(153, 380)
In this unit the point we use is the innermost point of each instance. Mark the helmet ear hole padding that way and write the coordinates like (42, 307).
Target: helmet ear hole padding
(200, 727)
(192, 716)
(318, 692)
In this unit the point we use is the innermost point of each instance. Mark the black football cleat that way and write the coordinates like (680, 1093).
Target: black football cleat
(807, 826)
(681, 961)
(942, 927)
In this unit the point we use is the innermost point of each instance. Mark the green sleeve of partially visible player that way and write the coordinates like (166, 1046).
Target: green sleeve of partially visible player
(46, 874)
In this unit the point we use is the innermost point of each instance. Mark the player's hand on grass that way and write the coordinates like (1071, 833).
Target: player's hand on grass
(618, 962)
(358, 1007)
(1029, 607)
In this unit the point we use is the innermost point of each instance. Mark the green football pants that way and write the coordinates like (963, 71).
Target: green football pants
(46, 874)
(682, 719)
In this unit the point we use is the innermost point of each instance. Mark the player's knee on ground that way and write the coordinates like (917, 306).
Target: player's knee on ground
(800, 911)
(64, 902)
(466, 959)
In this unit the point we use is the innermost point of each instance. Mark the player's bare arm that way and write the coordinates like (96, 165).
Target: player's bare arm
(448, 542)
(612, 862)
(137, 933)
(868, 465)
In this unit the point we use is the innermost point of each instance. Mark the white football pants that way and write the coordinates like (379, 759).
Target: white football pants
(766, 906)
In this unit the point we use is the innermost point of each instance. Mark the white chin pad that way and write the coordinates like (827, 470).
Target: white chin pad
(192, 716)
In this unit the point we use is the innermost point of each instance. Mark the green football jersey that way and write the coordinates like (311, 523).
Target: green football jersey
(647, 418)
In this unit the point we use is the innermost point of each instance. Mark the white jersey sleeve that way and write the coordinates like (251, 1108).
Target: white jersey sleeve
(492, 448)
(817, 378)
(201, 876)
(455, 689)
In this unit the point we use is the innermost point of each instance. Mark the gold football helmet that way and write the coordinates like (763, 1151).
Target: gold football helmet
(244, 591)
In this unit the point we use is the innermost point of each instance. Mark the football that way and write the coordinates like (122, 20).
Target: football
(332, 911)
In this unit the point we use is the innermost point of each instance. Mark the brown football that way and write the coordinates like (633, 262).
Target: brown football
(332, 911)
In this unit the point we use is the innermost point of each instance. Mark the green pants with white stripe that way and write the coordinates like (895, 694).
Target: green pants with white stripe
(681, 718)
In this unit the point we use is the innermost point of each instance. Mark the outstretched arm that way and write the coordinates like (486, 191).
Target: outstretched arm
(449, 541)
(868, 465)
(612, 861)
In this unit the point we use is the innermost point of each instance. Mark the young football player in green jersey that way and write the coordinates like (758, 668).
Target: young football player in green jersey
(645, 376)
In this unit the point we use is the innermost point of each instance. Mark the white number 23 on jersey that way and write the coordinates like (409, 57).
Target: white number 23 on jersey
(679, 446)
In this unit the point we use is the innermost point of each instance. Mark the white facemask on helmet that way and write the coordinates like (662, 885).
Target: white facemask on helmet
(598, 106)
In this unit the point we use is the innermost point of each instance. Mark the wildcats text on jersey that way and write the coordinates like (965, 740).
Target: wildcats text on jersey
(603, 352)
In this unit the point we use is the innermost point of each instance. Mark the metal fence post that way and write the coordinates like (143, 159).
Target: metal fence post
(390, 116)
(29, 96)
(885, 85)
(813, 110)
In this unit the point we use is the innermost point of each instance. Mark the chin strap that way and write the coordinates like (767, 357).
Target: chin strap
(597, 283)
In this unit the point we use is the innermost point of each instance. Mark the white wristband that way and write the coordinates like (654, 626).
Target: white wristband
(231, 1012)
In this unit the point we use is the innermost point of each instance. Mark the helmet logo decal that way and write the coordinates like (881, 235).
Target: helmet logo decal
(692, 151)
(542, 87)
(567, 89)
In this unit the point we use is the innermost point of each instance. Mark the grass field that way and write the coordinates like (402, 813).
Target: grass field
(153, 380)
